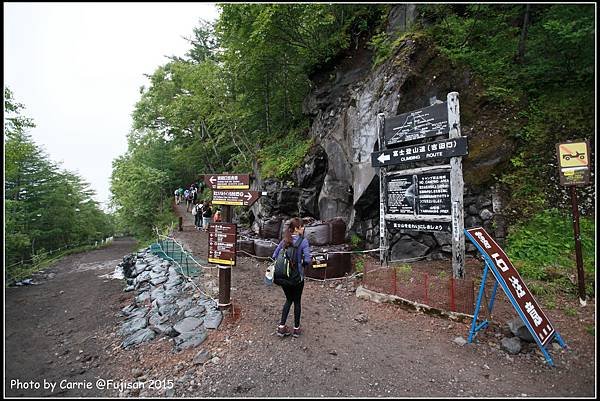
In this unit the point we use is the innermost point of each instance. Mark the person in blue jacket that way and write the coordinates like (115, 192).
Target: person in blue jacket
(293, 294)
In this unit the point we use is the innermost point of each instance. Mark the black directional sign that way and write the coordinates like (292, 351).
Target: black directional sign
(418, 124)
(420, 152)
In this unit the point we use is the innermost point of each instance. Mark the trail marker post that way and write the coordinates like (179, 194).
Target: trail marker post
(574, 170)
(228, 190)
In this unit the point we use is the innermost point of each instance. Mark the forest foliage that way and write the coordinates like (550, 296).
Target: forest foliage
(234, 100)
(46, 207)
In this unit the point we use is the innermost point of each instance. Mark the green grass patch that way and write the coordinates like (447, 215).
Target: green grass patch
(591, 330)
(543, 248)
(283, 155)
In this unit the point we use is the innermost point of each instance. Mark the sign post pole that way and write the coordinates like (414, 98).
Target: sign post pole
(225, 271)
(578, 253)
(574, 170)
(383, 250)
(228, 190)
(456, 192)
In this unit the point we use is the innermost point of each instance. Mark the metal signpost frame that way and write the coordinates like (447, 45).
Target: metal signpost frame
(499, 260)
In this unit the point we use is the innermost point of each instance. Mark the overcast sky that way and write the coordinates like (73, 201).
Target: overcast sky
(78, 69)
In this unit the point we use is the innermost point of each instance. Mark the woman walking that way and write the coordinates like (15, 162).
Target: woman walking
(293, 237)
(206, 215)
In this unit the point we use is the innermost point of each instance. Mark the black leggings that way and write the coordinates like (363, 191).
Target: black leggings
(292, 294)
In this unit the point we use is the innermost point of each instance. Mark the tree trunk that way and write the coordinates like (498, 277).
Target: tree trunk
(520, 58)
(204, 129)
(236, 145)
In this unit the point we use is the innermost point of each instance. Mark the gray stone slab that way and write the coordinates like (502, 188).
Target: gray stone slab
(138, 337)
(196, 311)
(189, 340)
(187, 325)
(213, 318)
(133, 325)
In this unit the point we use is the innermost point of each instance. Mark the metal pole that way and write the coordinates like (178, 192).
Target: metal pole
(578, 254)
(225, 271)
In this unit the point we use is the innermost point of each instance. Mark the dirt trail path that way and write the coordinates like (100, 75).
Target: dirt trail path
(357, 348)
(56, 331)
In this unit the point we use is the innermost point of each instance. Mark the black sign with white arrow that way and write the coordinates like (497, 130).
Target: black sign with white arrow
(425, 151)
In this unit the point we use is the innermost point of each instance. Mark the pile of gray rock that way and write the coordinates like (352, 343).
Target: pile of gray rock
(166, 304)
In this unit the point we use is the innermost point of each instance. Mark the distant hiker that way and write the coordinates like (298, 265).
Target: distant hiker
(217, 216)
(189, 200)
(206, 215)
(176, 193)
(194, 194)
(197, 212)
(180, 198)
(293, 237)
(186, 195)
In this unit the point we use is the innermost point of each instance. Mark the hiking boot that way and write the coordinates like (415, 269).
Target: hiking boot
(296, 333)
(283, 331)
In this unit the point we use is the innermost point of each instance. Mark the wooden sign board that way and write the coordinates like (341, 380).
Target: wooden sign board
(446, 148)
(426, 122)
(422, 194)
(227, 181)
(235, 198)
(513, 285)
(574, 162)
(222, 238)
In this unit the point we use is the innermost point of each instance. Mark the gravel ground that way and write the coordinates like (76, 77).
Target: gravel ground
(349, 348)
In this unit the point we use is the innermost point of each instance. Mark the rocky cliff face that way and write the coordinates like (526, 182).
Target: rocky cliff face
(337, 179)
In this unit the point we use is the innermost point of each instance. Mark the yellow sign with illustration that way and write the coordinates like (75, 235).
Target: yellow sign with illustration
(573, 154)
(574, 162)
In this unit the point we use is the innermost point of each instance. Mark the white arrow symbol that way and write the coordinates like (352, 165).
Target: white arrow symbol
(211, 179)
(248, 196)
(383, 158)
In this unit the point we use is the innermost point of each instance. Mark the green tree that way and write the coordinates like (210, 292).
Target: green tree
(42, 202)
